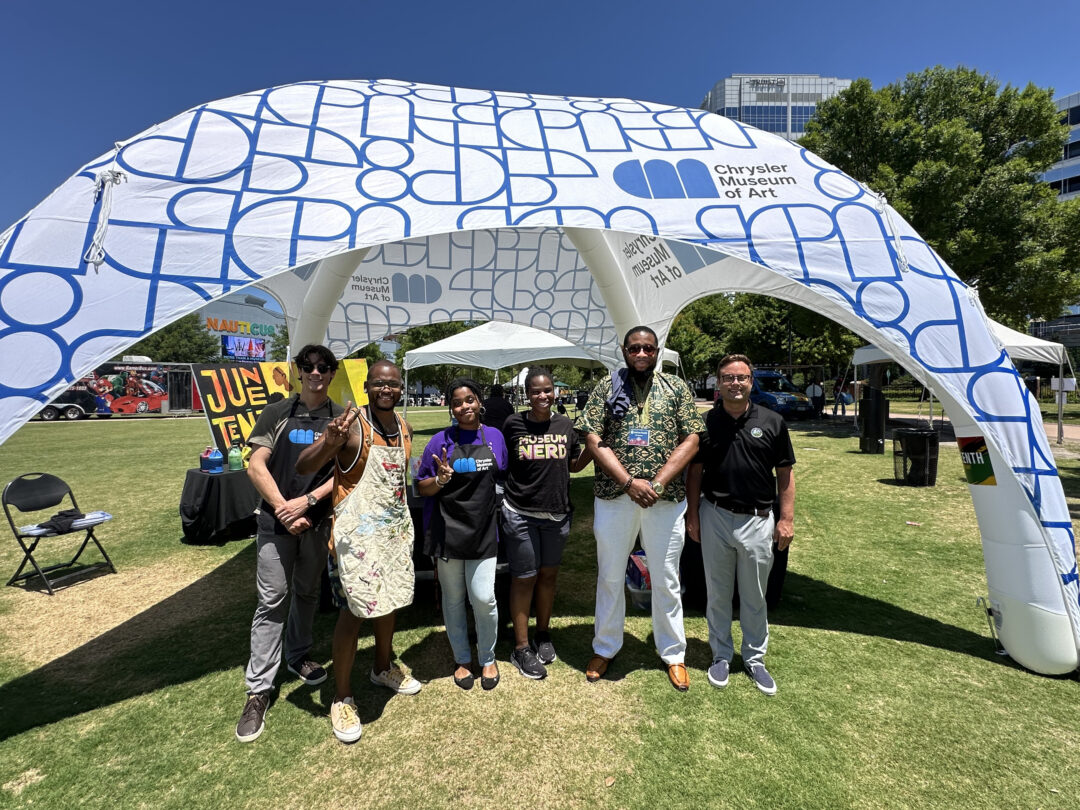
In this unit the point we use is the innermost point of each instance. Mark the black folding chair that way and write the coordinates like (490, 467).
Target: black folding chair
(35, 492)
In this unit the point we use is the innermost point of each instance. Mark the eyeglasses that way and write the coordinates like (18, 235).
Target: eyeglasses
(393, 385)
(730, 378)
(307, 368)
(641, 348)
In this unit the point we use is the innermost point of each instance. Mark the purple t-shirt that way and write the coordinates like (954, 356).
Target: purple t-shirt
(446, 438)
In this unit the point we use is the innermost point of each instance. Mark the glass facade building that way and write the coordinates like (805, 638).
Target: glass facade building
(781, 103)
(1064, 176)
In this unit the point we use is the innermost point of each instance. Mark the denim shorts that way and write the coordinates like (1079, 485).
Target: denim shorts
(532, 543)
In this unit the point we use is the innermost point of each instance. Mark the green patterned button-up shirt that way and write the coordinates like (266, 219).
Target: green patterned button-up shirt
(669, 414)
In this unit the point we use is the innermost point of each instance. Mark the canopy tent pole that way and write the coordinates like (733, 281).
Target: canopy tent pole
(405, 389)
(324, 291)
(1061, 395)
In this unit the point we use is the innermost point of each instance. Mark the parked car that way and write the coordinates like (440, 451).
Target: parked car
(776, 392)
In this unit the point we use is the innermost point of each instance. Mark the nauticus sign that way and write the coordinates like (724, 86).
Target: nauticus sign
(239, 327)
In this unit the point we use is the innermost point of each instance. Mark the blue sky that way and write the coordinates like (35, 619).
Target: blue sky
(78, 76)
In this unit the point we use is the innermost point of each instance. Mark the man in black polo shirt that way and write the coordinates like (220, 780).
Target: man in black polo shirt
(730, 491)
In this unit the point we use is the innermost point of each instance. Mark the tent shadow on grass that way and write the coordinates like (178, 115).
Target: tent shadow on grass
(204, 628)
(814, 604)
(200, 629)
(817, 605)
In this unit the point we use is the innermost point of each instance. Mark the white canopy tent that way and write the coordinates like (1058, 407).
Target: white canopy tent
(366, 207)
(498, 344)
(1020, 346)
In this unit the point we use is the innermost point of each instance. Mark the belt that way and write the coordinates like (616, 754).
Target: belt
(739, 509)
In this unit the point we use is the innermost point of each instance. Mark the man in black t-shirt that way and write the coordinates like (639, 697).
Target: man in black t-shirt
(496, 408)
(743, 467)
(293, 531)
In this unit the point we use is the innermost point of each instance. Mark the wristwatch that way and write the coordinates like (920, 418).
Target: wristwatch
(657, 487)
(311, 501)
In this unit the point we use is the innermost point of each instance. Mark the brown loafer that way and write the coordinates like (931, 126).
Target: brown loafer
(596, 668)
(679, 677)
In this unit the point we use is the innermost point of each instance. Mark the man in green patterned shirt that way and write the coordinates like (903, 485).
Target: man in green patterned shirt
(642, 428)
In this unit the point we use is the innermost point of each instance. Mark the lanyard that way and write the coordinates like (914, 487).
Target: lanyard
(641, 399)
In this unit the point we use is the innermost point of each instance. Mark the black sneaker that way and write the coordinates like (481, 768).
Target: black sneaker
(543, 647)
(308, 671)
(527, 663)
(251, 723)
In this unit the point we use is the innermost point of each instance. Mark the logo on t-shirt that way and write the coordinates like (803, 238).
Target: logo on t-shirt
(541, 447)
(471, 465)
(301, 436)
(756, 432)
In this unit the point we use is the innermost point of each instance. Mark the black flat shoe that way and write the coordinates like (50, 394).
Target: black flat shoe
(490, 683)
(465, 683)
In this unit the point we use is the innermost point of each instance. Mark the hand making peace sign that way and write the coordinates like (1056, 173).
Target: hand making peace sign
(337, 429)
(443, 470)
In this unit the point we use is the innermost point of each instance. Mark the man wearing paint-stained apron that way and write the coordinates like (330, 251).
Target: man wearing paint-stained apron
(370, 564)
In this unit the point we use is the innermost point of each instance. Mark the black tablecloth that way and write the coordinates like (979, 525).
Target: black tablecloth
(214, 508)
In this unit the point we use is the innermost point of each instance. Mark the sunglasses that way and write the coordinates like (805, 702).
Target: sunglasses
(307, 368)
(641, 348)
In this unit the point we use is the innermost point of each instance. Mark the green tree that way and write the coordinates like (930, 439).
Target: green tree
(757, 326)
(959, 156)
(183, 341)
(278, 351)
(371, 353)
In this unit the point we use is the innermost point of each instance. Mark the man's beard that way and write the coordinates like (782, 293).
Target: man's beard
(641, 376)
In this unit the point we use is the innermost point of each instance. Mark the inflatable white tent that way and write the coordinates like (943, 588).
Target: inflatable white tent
(1019, 346)
(369, 206)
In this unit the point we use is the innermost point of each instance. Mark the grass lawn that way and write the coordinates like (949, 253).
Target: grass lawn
(124, 690)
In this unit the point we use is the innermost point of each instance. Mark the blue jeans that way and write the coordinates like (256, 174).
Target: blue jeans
(476, 578)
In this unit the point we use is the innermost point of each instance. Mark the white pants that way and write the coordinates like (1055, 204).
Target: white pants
(616, 524)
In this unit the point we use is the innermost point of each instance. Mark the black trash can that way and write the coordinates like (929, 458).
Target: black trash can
(915, 456)
(873, 413)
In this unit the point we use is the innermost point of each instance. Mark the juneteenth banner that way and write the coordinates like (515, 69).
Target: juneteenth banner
(234, 394)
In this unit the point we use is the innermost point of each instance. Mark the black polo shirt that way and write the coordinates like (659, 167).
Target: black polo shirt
(740, 456)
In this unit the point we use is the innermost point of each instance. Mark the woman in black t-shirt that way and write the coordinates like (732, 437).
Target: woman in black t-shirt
(543, 450)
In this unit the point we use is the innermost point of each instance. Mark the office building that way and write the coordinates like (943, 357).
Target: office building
(1064, 176)
(781, 103)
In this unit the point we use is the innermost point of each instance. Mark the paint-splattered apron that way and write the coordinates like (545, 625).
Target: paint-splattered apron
(373, 537)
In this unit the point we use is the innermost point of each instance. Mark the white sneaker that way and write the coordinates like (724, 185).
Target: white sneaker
(345, 720)
(396, 679)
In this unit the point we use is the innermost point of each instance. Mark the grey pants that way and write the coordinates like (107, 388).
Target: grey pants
(736, 545)
(286, 565)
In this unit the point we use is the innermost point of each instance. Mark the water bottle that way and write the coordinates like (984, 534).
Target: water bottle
(215, 462)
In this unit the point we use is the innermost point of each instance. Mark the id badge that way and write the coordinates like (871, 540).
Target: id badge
(638, 437)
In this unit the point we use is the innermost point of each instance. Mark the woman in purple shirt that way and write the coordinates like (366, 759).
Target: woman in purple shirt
(458, 474)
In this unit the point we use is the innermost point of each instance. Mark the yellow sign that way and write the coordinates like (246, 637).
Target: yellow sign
(234, 394)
